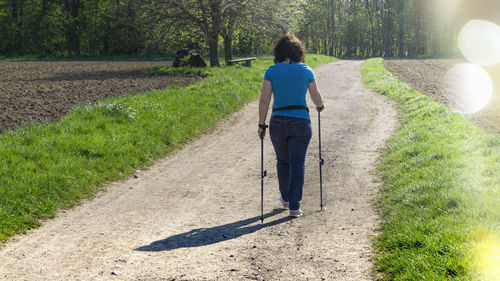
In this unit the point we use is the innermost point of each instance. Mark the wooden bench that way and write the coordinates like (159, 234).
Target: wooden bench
(248, 61)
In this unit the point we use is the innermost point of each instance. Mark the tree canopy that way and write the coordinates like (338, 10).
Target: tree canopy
(343, 28)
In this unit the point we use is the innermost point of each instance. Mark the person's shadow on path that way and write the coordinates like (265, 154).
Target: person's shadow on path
(206, 236)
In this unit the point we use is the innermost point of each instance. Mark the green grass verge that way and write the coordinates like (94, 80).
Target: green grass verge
(174, 71)
(45, 167)
(441, 195)
(312, 60)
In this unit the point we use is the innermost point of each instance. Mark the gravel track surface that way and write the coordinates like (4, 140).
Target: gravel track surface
(45, 91)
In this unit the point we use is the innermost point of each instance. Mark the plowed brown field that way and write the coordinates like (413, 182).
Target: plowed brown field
(41, 91)
(427, 76)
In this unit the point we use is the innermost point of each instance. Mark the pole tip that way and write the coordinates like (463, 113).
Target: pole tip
(262, 219)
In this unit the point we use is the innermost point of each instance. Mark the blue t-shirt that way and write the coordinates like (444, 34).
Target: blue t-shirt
(290, 83)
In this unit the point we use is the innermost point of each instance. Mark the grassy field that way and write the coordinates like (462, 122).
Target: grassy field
(441, 196)
(46, 167)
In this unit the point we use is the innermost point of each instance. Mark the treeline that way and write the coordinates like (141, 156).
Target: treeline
(70, 27)
(367, 28)
(139, 27)
(343, 28)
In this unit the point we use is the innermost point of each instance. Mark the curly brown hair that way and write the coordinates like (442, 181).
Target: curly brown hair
(289, 46)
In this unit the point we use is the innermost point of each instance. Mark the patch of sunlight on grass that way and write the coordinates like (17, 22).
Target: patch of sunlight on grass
(486, 253)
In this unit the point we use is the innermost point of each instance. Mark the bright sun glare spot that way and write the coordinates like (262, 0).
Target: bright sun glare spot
(469, 87)
(479, 42)
(445, 10)
(487, 257)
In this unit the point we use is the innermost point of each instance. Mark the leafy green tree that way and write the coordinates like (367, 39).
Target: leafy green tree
(204, 15)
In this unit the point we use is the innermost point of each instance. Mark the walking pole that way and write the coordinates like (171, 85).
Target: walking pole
(263, 173)
(321, 161)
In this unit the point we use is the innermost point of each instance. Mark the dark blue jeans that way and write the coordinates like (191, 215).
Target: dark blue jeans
(290, 137)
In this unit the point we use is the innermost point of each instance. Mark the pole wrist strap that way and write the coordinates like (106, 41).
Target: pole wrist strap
(263, 126)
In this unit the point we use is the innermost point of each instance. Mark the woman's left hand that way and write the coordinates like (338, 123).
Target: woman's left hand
(261, 133)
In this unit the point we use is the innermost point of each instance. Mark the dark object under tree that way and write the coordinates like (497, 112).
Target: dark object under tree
(186, 57)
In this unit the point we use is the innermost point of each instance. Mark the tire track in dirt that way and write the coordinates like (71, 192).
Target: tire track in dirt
(195, 214)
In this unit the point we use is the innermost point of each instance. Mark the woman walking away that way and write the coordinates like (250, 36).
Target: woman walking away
(290, 126)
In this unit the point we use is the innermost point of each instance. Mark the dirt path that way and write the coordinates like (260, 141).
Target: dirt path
(195, 214)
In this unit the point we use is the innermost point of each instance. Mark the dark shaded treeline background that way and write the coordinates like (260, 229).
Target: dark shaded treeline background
(342, 28)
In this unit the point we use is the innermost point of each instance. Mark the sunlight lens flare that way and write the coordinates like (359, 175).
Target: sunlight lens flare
(445, 11)
(469, 87)
(487, 257)
(479, 42)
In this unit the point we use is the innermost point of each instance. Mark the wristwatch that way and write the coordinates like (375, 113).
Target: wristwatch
(263, 126)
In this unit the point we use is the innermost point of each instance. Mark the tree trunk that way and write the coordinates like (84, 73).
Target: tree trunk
(213, 44)
(372, 29)
(401, 39)
(72, 35)
(388, 31)
(21, 12)
(13, 3)
(227, 35)
(214, 28)
(131, 9)
(228, 47)
(331, 27)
